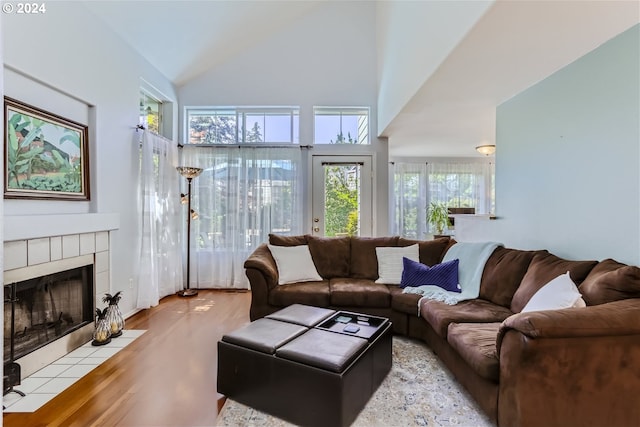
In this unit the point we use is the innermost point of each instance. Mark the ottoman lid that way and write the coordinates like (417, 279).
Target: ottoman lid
(323, 349)
(300, 314)
(264, 335)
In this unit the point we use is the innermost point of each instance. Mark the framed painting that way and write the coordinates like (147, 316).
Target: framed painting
(45, 156)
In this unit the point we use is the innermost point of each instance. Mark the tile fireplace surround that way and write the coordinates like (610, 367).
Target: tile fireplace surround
(45, 243)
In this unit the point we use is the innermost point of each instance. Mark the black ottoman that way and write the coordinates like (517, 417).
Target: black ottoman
(315, 378)
(300, 314)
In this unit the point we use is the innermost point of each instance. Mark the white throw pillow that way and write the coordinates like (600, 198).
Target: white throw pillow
(294, 264)
(390, 263)
(559, 293)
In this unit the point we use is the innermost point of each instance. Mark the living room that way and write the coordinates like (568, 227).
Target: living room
(570, 134)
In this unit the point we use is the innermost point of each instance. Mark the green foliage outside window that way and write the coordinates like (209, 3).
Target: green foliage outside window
(341, 200)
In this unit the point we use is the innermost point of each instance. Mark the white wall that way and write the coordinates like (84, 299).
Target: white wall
(568, 160)
(1, 183)
(69, 63)
(413, 39)
(326, 58)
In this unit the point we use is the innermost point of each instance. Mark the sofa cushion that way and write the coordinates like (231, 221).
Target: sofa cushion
(331, 255)
(364, 262)
(294, 264)
(390, 262)
(431, 251)
(444, 275)
(543, 268)
(559, 293)
(359, 293)
(279, 240)
(503, 273)
(403, 302)
(440, 315)
(476, 345)
(610, 281)
(309, 293)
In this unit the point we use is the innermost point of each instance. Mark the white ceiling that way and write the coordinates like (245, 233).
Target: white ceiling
(184, 38)
(513, 46)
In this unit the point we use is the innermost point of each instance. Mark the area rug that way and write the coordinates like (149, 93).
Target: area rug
(418, 391)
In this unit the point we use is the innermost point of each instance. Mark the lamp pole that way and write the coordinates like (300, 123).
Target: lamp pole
(188, 291)
(189, 173)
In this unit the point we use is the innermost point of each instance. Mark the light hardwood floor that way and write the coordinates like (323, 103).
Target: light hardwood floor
(167, 377)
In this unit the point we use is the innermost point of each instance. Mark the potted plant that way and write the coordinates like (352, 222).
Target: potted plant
(438, 216)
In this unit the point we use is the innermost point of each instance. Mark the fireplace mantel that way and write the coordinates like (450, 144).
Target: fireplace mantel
(24, 227)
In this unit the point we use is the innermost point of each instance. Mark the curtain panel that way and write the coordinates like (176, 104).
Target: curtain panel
(462, 184)
(414, 186)
(242, 195)
(160, 272)
(409, 200)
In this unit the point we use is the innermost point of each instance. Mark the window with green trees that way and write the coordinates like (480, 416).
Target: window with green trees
(247, 125)
(150, 112)
(342, 199)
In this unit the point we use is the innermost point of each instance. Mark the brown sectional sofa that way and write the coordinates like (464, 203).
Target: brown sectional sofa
(569, 367)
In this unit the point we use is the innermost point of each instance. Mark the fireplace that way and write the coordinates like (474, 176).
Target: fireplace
(32, 250)
(43, 309)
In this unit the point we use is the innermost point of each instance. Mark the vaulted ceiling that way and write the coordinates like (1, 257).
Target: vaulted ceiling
(512, 45)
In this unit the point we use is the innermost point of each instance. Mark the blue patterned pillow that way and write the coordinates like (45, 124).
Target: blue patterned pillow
(444, 275)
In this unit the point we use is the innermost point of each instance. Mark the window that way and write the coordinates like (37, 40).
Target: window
(243, 194)
(341, 125)
(150, 112)
(409, 203)
(252, 125)
(462, 185)
(457, 185)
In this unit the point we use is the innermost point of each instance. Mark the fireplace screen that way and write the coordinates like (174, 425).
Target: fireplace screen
(40, 310)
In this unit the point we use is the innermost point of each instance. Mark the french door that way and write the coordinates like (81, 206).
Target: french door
(342, 201)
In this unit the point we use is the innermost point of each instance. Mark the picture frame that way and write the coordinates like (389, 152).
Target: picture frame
(46, 156)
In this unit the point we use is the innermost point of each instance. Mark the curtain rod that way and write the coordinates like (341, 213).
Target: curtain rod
(141, 127)
(245, 146)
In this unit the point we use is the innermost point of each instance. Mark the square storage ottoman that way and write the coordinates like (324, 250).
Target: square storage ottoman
(313, 378)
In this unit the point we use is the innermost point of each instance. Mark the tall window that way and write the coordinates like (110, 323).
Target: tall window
(242, 195)
(409, 199)
(248, 125)
(457, 185)
(341, 125)
(462, 185)
(150, 112)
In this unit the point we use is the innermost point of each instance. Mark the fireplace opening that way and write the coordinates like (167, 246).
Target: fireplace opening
(41, 310)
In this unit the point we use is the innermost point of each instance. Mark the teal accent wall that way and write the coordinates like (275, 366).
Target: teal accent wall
(568, 158)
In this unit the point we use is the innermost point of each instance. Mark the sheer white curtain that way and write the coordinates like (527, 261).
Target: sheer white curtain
(458, 184)
(242, 195)
(408, 199)
(160, 271)
(462, 184)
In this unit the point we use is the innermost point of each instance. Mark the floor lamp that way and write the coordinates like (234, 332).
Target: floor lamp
(189, 173)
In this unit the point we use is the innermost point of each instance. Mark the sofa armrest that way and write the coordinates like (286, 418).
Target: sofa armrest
(571, 367)
(262, 261)
(262, 272)
(614, 318)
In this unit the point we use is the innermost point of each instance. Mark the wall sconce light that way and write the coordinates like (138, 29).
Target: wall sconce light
(189, 173)
(487, 149)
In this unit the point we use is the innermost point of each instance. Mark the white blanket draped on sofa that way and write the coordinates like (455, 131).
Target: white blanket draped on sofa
(472, 257)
